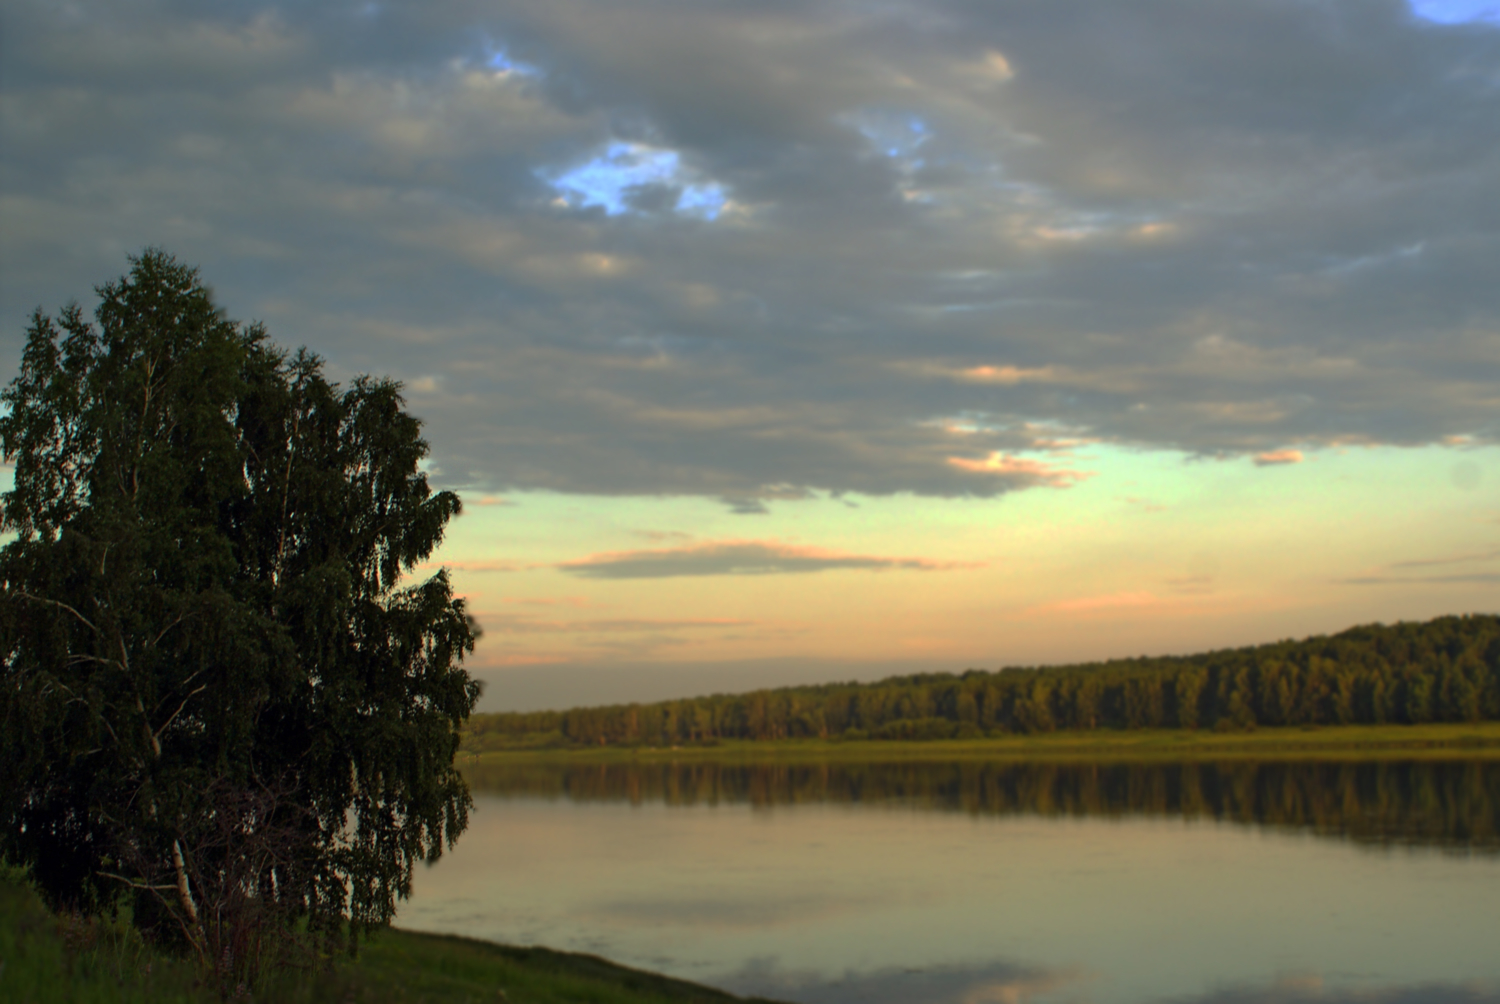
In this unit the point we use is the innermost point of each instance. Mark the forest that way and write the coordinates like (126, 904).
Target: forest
(1443, 670)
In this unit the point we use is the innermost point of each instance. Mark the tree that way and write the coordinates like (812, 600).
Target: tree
(219, 685)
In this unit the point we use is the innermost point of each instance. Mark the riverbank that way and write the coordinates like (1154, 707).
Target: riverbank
(1467, 740)
(45, 958)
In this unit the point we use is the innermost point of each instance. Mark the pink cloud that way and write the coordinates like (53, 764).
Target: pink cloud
(1110, 601)
(739, 557)
(1273, 457)
(1031, 472)
(1007, 376)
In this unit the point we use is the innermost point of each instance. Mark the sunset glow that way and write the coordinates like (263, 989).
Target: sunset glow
(778, 344)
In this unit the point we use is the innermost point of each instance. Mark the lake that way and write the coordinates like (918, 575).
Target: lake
(996, 883)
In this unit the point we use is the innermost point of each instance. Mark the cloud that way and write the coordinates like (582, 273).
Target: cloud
(740, 557)
(657, 536)
(1409, 573)
(546, 601)
(1452, 559)
(510, 624)
(1276, 458)
(747, 507)
(1020, 471)
(657, 247)
(1476, 579)
(1105, 603)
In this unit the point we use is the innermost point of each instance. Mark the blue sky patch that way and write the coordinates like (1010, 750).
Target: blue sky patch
(633, 177)
(895, 134)
(500, 61)
(1457, 11)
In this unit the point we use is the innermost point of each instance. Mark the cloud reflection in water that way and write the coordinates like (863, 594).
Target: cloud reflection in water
(1313, 990)
(990, 983)
(736, 911)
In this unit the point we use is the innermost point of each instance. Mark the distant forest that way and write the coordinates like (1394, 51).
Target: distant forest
(1445, 670)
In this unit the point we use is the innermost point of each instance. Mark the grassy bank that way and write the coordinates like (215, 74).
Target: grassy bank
(45, 958)
(1344, 742)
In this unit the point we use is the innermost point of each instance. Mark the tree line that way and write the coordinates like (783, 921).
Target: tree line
(1443, 670)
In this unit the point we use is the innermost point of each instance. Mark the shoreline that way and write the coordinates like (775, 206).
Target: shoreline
(54, 958)
(1448, 740)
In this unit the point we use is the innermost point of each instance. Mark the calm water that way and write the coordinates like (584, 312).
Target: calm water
(988, 883)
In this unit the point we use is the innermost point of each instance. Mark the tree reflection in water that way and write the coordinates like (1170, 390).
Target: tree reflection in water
(1453, 804)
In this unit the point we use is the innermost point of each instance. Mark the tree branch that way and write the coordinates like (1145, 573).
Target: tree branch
(137, 883)
(56, 603)
(161, 634)
(157, 736)
(74, 659)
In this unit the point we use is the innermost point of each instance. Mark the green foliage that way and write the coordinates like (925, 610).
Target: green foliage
(1446, 670)
(218, 692)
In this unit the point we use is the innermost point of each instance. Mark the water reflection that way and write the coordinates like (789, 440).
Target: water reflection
(996, 983)
(1453, 804)
(1312, 990)
(1002, 984)
(989, 882)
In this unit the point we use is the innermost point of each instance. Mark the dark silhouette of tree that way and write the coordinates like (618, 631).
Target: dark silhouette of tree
(218, 686)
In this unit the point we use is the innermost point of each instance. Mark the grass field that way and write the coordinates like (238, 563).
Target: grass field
(48, 959)
(1468, 740)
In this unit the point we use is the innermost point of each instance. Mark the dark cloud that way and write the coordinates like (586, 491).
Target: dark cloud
(736, 558)
(904, 247)
(747, 507)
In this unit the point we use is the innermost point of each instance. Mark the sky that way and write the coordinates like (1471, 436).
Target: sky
(776, 342)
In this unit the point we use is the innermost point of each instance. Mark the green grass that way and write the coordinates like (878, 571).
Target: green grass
(407, 966)
(51, 959)
(45, 958)
(1468, 740)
